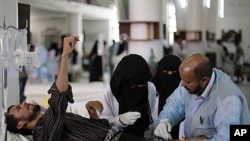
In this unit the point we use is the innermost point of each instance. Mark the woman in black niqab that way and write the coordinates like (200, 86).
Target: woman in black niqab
(166, 80)
(129, 86)
(167, 77)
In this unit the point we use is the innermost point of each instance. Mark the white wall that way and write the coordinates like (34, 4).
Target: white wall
(91, 29)
(38, 28)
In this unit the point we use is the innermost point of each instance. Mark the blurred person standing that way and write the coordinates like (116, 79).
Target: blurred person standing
(54, 58)
(110, 56)
(96, 61)
(120, 50)
(229, 65)
(221, 54)
(178, 48)
(43, 73)
(224, 59)
(77, 70)
(23, 77)
(151, 62)
(238, 61)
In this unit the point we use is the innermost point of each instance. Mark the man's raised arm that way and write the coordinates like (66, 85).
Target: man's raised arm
(62, 76)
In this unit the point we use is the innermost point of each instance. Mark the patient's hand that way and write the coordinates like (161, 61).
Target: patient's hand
(94, 108)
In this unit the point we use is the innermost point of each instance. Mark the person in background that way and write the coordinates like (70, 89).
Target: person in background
(76, 67)
(110, 56)
(55, 124)
(222, 55)
(43, 73)
(224, 59)
(120, 49)
(130, 102)
(23, 78)
(229, 65)
(239, 62)
(54, 58)
(151, 62)
(166, 80)
(208, 99)
(178, 49)
(96, 61)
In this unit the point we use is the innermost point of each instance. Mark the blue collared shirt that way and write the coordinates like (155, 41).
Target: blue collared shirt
(211, 114)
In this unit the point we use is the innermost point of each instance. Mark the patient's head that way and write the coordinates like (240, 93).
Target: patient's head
(20, 118)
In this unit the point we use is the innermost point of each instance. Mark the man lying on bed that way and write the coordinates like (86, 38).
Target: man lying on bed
(55, 124)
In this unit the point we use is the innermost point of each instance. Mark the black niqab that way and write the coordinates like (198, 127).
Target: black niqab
(132, 69)
(166, 83)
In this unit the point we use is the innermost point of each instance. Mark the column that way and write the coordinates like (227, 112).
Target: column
(190, 24)
(195, 16)
(189, 15)
(75, 28)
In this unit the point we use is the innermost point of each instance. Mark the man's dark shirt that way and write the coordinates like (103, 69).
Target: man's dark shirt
(57, 125)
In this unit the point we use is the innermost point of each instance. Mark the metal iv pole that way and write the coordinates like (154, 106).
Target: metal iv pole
(17, 56)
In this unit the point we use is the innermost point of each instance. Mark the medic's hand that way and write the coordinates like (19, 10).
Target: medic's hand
(129, 118)
(163, 130)
(94, 108)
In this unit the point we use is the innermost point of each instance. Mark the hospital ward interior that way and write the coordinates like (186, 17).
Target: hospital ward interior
(148, 27)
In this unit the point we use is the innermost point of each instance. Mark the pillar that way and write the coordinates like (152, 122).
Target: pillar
(189, 15)
(193, 15)
(75, 28)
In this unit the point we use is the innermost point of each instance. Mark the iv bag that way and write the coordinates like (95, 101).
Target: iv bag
(22, 58)
(21, 39)
(4, 48)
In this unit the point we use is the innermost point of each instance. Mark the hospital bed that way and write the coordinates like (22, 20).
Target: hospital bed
(82, 93)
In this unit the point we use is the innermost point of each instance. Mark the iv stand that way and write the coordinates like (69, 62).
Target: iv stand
(6, 58)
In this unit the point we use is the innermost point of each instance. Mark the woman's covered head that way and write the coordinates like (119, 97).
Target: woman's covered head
(132, 70)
